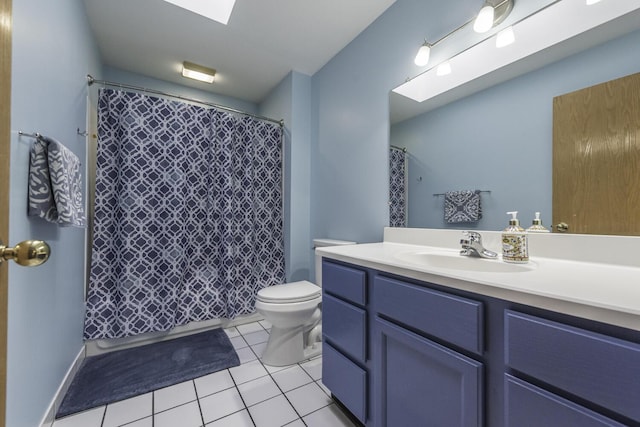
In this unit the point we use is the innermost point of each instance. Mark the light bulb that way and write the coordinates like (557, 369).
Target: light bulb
(505, 37)
(484, 21)
(444, 69)
(590, 2)
(422, 58)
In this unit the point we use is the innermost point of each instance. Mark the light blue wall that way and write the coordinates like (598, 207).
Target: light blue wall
(291, 101)
(350, 128)
(501, 139)
(53, 50)
(120, 76)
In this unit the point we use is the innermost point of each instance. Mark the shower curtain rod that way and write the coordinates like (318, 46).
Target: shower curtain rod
(403, 149)
(91, 80)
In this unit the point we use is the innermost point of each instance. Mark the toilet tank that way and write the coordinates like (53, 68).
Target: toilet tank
(321, 243)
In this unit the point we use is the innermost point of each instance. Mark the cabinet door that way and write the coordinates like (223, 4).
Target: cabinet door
(421, 383)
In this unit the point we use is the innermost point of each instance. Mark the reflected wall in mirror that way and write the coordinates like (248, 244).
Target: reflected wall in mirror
(500, 139)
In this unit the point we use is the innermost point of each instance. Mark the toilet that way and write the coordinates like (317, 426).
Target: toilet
(294, 311)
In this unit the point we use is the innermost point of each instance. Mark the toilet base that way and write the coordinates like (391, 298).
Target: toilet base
(286, 347)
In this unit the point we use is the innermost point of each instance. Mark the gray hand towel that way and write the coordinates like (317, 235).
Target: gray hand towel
(55, 184)
(462, 206)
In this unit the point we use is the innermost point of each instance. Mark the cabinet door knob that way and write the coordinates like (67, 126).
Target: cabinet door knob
(29, 253)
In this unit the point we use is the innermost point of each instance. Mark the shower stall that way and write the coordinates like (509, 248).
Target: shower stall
(186, 207)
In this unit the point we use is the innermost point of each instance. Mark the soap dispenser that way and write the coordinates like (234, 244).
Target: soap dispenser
(514, 241)
(537, 226)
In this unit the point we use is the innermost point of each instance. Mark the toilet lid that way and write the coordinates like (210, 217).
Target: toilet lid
(289, 292)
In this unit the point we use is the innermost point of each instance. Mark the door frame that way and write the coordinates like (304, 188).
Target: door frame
(5, 155)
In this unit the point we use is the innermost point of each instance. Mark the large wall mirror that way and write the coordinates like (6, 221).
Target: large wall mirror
(499, 139)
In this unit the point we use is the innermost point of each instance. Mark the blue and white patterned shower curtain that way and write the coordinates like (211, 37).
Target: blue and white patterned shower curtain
(398, 190)
(188, 215)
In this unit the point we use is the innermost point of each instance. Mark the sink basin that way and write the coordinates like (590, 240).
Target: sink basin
(455, 261)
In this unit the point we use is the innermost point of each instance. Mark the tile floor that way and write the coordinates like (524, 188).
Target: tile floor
(251, 395)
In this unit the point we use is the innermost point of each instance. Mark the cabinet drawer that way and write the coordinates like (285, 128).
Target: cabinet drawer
(451, 318)
(345, 282)
(345, 326)
(598, 368)
(525, 402)
(346, 380)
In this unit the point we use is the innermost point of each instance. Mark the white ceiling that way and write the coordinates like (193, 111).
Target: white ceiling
(263, 41)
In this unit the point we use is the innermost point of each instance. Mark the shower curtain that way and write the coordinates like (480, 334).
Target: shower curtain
(398, 189)
(188, 215)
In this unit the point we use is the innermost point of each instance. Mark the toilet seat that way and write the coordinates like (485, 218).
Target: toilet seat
(289, 293)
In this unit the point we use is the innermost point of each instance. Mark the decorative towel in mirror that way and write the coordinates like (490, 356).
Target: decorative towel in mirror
(462, 206)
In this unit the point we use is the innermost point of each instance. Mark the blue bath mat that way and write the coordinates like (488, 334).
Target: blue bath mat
(115, 376)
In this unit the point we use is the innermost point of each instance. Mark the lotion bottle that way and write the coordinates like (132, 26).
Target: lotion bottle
(514, 242)
(537, 226)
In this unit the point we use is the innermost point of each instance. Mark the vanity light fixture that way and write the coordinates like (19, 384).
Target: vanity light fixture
(422, 58)
(444, 69)
(492, 13)
(198, 72)
(505, 37)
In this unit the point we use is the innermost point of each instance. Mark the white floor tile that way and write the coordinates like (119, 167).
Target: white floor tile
(239, 419)
(256, 337)
(259, 348)
(232, 332)
(291, 378)
(128, 410)
(238, 342)
(221, 404)
(258, 390)
(145, 422)
(90, 418)
(272, 369)
(313, 367)
(247, 372)
(213, 383)
(296, 423)
(248, 328)
(274, 412)
(308, 398)
(176, 395)
(265, 324)
(323, 387)
(246, 355)
(187, 415)
(328, 416)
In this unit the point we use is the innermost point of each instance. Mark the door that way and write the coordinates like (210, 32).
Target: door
(596, 153)
(422, 383)
(5, 124)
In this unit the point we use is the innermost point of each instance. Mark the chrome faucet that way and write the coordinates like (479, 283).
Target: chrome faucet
(472, 246)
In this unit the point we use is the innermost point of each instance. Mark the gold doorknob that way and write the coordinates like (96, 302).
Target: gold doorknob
(563, 227)
(28, 253)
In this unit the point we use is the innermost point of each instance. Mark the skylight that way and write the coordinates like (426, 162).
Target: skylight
(218, 10)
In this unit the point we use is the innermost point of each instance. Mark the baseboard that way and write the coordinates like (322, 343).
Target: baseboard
(102, 346)
(50, 415)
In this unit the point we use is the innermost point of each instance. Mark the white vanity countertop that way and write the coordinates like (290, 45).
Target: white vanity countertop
(605, 292)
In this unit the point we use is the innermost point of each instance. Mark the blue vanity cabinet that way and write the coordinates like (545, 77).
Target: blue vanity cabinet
(421, 382)
(344, 329)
